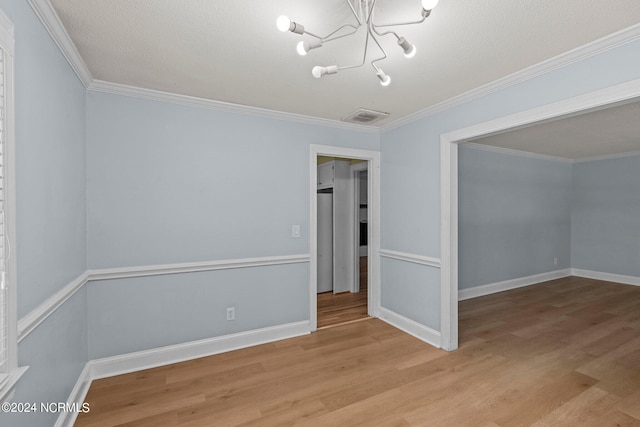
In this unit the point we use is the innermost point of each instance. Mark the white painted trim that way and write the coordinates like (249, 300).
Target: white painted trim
(492, 288)
(607, 277)
(8, 384)
(407, 257)
(192, 267)
(132, 362)
(358, 251)
(449, 180)
(51, 22)
(418, 330)
(580, 53)
(449, 245)
(11, 372)
(607, 157)
(373, 212)
(31, 321)
(512, 152)
(77, 396)
(192, 101)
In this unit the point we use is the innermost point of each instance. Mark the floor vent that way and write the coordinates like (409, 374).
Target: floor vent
(362, 116)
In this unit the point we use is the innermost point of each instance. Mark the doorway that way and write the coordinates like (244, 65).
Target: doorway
(342, 241)
(344, 305)
(625, 92)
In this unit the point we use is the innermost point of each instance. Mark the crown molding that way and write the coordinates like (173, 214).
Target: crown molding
(51, 21)
(192, 101)
(607, 157)
(578, 54)
(49, 18)
(511, 151)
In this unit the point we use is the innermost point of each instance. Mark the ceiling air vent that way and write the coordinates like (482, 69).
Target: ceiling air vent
(362, 116)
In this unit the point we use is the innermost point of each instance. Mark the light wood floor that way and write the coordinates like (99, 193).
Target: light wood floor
(561, 353)
(337, 309)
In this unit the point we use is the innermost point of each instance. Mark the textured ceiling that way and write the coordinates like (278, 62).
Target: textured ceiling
(606, 132)
(231, 50)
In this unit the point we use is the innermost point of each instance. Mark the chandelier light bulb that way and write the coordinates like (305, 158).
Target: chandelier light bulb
(409, 48)
(301, 48)
(283, 23)
(319, 71)
(429, 4)
(305, 46)
(385, 80)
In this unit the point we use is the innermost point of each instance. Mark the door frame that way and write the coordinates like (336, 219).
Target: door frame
(373, 217)
(355, 175)
(599, 99)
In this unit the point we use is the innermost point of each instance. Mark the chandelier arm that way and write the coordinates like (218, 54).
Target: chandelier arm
(384, 54)
(400, 23)
(354, 12)
(375, 30)
(364, 56)
(328, 37)
(370, 17)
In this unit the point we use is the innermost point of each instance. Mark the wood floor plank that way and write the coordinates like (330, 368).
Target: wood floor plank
(564, 352)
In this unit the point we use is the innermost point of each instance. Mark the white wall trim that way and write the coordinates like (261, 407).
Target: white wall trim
(492, 288)
(449, 182)
(580, 53)
(510, 151)
(131, 362)
(607, 157)
(192, 267)
(407, 257)
(34, 318)
(520, 153)
(607, 277)
(161, 356)
(29, 322)
(418, 330)
(51, 22)
(77, 396)
(192, 101)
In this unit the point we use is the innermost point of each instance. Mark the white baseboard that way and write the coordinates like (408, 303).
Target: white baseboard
(418, 330)
(506, 285)
(131, 362)
(78, 394)
(607, 277)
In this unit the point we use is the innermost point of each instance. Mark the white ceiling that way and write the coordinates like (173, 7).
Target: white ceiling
(607, 132)
(231, 50)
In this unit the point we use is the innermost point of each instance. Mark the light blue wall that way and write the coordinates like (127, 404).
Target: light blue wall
(51, 212)
(411, 170)
(170, 184)
(605, 220)
(157, 311)
(514, 216)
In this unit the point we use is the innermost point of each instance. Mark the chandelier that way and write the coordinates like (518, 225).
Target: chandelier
(363, 12)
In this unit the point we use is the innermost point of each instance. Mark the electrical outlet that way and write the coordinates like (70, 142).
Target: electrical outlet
(555, 261)
(231, 313)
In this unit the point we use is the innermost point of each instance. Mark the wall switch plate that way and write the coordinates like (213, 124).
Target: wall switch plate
(231, 313)
(295, 231)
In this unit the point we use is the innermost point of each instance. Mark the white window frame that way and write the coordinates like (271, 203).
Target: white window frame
(12, 374)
